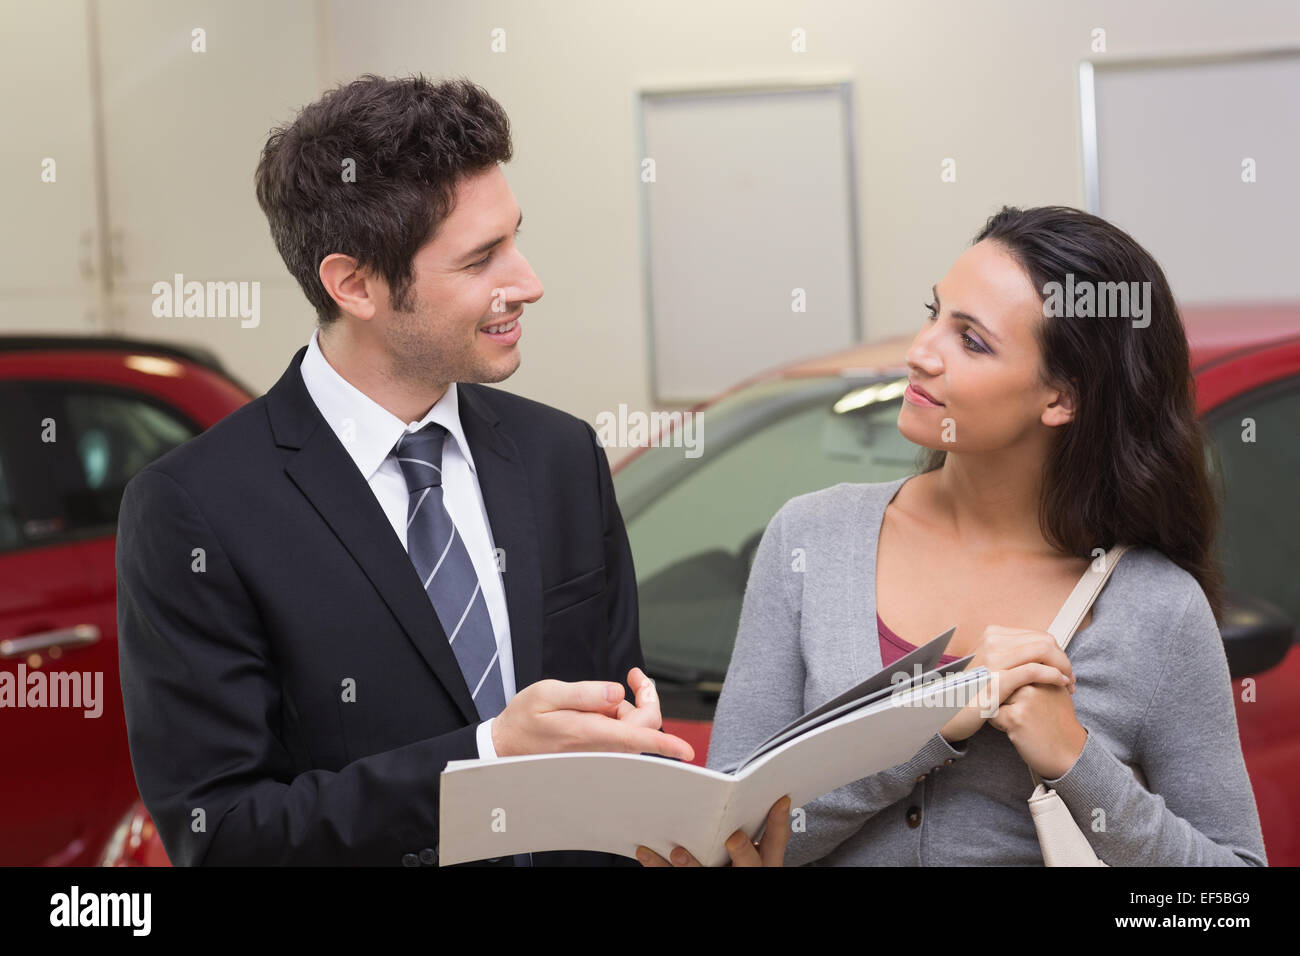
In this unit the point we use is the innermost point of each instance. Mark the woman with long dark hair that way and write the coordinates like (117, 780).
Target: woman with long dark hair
(1052, 393)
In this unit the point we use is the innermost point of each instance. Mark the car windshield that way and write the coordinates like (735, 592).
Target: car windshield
(695, 523)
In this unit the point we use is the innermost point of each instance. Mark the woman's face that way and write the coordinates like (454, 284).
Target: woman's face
(977, 355)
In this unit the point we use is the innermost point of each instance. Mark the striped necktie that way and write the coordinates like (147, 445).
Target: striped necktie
(440, 557)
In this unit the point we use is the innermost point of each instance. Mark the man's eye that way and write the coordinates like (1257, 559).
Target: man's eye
(487, 258)
(934, 313)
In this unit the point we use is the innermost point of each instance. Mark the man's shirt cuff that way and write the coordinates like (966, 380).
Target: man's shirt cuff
(485, 749)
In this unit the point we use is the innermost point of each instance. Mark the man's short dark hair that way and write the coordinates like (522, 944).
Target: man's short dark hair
(410, 142)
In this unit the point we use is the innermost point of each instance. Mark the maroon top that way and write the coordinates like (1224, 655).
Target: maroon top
(892, 647)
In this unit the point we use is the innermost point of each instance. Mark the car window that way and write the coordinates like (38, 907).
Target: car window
(694, 528)
(71, 487)
(1260, 537)
(8, 516)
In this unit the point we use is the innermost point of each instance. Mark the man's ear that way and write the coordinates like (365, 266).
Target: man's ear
(1060, 410)
(352, 288)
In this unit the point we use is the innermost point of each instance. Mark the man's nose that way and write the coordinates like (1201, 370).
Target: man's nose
(528, 287)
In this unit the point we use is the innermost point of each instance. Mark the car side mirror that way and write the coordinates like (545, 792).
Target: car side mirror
(1256, 634)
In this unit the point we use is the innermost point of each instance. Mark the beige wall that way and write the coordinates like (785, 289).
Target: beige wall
(991, 84)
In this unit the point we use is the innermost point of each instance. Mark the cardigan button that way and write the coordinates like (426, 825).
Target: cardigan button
(410, 859)
(948, 762)
(920, 778)
(913, 817)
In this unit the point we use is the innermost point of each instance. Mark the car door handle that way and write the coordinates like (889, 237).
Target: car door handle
(77, 636)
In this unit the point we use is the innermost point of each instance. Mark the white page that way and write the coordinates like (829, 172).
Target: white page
(576, 801)
(838, 753)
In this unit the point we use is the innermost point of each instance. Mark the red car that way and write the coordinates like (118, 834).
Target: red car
(78, 418)
(694, 523)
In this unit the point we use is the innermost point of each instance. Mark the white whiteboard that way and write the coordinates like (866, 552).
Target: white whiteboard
(1166, 166)
(752, 199)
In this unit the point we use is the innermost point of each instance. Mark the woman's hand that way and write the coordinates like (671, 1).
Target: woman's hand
(769, 851)
(1040, 722)
(1016, 658)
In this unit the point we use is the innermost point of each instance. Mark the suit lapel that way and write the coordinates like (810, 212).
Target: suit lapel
(507, 498)
(322, 469)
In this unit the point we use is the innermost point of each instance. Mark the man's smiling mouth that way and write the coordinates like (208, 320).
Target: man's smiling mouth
(505, 331)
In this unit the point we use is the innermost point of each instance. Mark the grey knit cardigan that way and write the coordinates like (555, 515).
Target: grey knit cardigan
(1152, 687)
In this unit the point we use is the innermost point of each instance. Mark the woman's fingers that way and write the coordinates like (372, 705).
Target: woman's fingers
(777, 834)
(1009, 681)
(771, 849)
(648, 857)
(1036, 646)
(742, 850)
(679, 857)
(1002, 648)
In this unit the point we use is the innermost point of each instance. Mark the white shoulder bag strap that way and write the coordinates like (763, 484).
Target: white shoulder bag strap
(1062, 842)
(1084, 594)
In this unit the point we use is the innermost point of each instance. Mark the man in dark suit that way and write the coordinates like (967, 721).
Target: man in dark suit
(380, 565)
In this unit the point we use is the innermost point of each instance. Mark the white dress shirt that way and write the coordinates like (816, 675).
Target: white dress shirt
(369, 431)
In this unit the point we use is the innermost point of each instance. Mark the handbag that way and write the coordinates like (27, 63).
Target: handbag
(1059, 837)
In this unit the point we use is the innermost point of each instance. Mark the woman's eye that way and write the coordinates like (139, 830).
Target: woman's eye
(969, 344)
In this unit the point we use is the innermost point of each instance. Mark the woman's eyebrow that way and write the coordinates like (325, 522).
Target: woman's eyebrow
(967, 317)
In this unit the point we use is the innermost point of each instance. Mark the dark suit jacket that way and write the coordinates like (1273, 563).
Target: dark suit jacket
(234, 657)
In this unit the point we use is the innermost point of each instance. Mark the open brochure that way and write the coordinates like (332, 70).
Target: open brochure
(611, 802)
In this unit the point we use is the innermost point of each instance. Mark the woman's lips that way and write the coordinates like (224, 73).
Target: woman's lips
(917, 397)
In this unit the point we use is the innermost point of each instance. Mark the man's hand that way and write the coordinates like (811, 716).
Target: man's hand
(554, 716)
(646, 711)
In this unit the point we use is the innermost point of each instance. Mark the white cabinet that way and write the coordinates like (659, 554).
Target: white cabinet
(155, 144)
(50, 278)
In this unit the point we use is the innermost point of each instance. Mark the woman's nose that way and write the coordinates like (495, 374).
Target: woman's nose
(921, 356)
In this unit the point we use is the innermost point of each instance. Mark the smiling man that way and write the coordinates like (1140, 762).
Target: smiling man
(382, 564)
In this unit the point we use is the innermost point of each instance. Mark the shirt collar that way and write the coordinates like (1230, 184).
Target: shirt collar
(366, 429)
